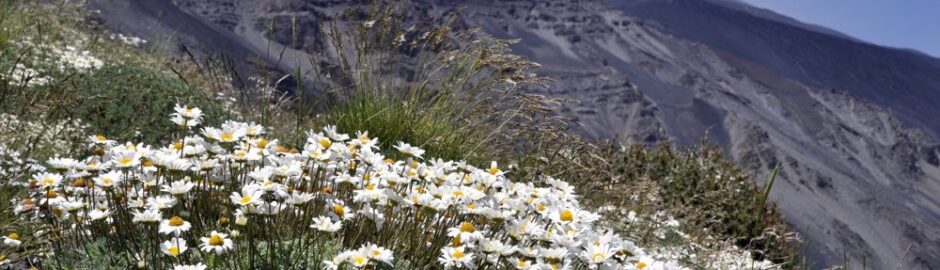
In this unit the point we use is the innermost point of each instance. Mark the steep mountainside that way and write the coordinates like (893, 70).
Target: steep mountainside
(849, 122)
(903, 81)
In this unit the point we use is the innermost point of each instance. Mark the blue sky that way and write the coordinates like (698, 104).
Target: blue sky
(911, 24)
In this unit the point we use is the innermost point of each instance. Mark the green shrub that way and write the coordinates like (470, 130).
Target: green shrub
(126, 101)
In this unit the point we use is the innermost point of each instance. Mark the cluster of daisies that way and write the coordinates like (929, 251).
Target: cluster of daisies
(13, 165)
(221, 191)
(53, 136)
(665, 240)
(51, 56)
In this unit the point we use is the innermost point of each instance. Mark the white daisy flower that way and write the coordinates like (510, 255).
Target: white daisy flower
(466, 231)
(125, 159)
(227, 135)
(597, 254)
(100, 140)
(456, 257)
(325, 224)
(48, 180)
(147, 216)
(188, 112)
(247, 199)
(12, 240)
(298, 198)
(174, 247)
(175, 225)
(409, 150)
(198, 266)
(96, 214)
(341, 212)
(378, 253)
(63, 163)
(178, 187)
(216, 242)
(161, 202)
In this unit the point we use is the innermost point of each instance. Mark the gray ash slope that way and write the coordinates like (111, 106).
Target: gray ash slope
(848, 121)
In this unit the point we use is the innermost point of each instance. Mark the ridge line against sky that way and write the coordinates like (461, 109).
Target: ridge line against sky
(906, 24)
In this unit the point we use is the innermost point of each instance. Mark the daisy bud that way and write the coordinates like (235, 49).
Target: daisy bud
(241, 220)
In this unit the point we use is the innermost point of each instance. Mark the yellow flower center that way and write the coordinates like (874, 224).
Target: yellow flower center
(48, 181)
(471, 206)
(173, 251)
(176, 221)
(566, 215)
(640, 265)
(245, 199)
(325, 143)
(339, 210)
(370, 186)
(227, 137)
(540, 207)
(494, 170)
(522, 263)
(597, 256)
(147, 163)
(178, 145)
(13, 236)
(215, 240)
(359, 260)
(376, 252)
(101, 138)
(457, 254)
(107, 180)
(124, 161)
(458, 193)
(262, 143)
(456, 241)
(51, 194)
(467, 227)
